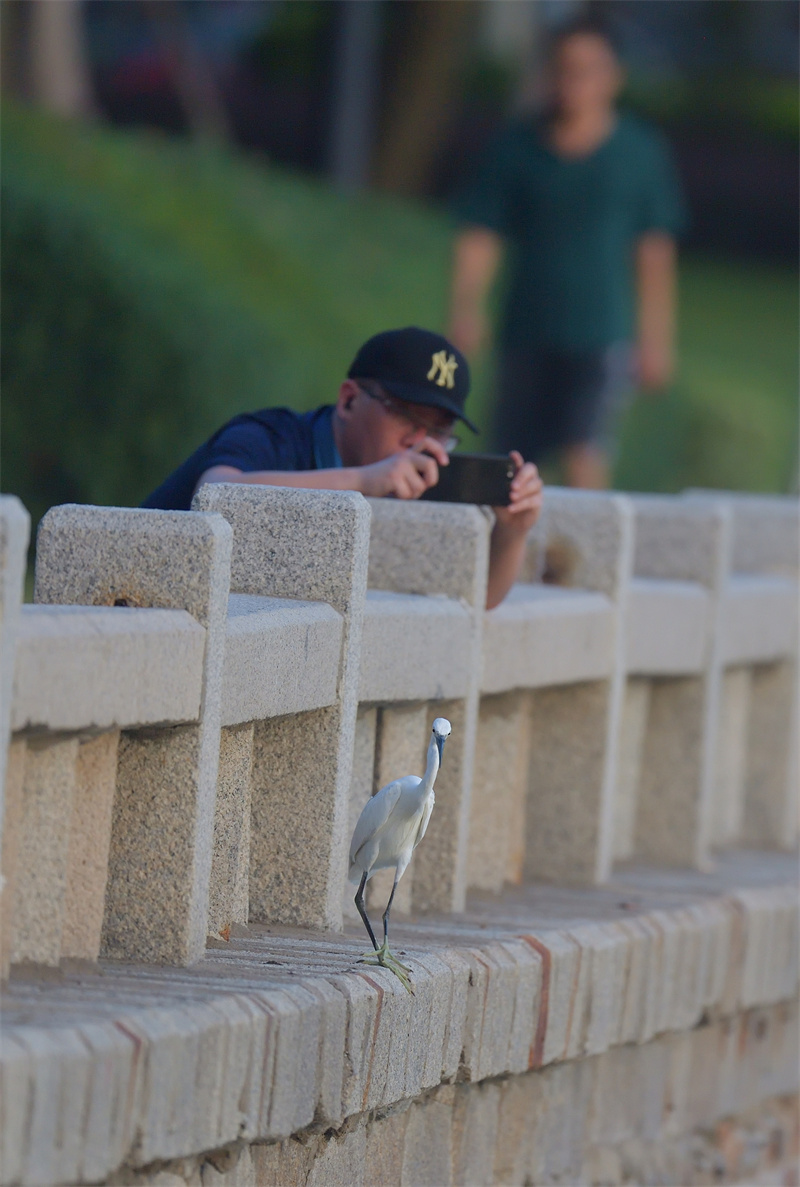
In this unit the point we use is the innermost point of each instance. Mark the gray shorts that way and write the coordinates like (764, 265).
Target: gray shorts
(551, 399)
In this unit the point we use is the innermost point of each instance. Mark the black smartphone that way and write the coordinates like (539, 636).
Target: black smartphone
(483, 478)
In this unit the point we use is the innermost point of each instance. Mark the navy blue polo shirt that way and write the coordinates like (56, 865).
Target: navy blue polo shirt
(272, 439)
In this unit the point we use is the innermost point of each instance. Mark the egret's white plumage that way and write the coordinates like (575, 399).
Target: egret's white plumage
(391, 825)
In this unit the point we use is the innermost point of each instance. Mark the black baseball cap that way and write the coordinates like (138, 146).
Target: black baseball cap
(418, 366)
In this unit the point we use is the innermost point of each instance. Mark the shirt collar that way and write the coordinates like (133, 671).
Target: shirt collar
(326, 455)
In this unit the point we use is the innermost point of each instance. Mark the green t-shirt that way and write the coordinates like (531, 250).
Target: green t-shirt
(573, 223)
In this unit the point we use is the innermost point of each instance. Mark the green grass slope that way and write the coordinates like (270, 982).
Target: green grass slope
(151, 290)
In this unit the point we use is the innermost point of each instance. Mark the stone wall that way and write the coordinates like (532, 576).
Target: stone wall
(191, 717)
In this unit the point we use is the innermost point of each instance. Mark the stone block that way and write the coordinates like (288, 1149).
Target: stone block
(362, 1001)
(769, 797)
(497, 806)
(514, 1130)
(296, 1023)
(490, 1012)
(474, 1134)
(765, 531)
(340, 1162)
(633, 727)
(527, 1004)
(108, 1123)
(162, 827)
(58, 1091)
(759, 619)
(567, 783)
(559, 1023)
(96, 667)
(311, 545)
(440, 862)
(386, 1073)
(666, 627)
(457, 1017)
(241, 1172)
(15, 1099)
(12, 811)
(583, 540)
(362, 785)
(14, 529)
(383, 1158)
(414, 648)
(230, 866)
(729, 783)
(401, 743)
(670, 800)
(541, 635)
(330, 1072)
(429, 548)
(431, 1018)
(608, 945)
(89, 841)
(424, 548)
(40, 883)
(281, 656)
(427, 1150)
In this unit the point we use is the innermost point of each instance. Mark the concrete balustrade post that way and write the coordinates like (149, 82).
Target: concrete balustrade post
(310, 545)
(440, 549)
(583, 540)
(159, 864)
(14, 531)
(681, 541)
(756, 787)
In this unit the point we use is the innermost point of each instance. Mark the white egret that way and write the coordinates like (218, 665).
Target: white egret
(391, 825)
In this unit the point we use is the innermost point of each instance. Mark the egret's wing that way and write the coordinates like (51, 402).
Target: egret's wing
(426, 815)
(374, 815)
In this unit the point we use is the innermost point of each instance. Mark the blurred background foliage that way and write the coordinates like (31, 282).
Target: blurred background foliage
(187, 235)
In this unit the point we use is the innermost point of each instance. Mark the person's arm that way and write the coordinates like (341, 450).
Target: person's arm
(476, 259)
(656, 256)
(511, 527)
(404, 475)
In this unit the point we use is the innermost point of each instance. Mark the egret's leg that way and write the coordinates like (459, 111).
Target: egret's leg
(359, 901)
(383, 955)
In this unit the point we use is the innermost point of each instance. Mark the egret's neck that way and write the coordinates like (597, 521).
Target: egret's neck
(432, 767)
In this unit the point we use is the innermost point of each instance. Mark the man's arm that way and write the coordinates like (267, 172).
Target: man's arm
(404, 475)
(510, 531)
(476, 259)
(656, 256)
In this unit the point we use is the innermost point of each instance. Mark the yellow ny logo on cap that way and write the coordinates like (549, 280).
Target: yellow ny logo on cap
(445, 366)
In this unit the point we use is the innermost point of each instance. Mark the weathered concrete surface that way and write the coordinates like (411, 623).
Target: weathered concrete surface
(542, 635)
(156, 902)
(128, 1065)
(497, 815)
(281, 656)
(309, 545)
(229, 891)
(666, 629)
(14, 529)
(89, 843)
(414, 648)
(93, 667)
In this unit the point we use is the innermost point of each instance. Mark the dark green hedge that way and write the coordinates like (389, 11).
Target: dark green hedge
(151, 290)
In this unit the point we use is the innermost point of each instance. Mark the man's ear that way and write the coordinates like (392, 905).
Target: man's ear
(346, 398)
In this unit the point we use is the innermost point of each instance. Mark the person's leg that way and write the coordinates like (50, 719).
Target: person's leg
(595, 385)
(520, 418)
(586, 466)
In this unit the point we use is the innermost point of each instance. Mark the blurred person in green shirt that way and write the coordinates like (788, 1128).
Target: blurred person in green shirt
(589, 203)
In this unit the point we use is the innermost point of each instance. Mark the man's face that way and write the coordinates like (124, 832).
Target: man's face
(585, 74)
(373, 427)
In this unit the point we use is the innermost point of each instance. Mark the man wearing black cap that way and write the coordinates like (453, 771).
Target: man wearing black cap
(387, 434)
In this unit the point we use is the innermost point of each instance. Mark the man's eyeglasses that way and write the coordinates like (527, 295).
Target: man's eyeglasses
(402, 409)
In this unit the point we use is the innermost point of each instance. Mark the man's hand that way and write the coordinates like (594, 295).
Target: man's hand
(526, 497)
(512, 524)
(405, 475)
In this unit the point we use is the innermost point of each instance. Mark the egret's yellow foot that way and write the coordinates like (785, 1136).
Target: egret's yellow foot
(386, 959)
